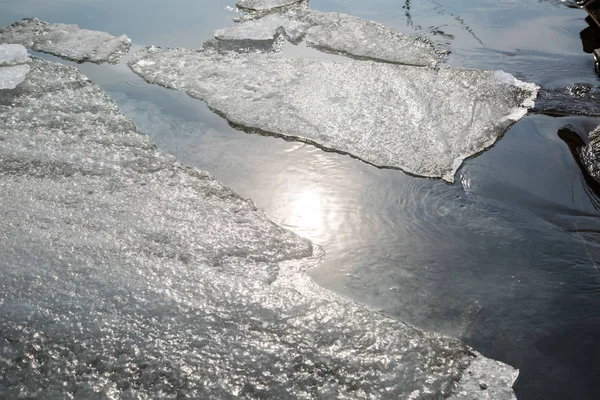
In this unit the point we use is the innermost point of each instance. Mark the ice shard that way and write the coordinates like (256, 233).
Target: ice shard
(67, 41)
(340, 33)
(12, 68)
(263, 5)
(127, 275)
(421, 120)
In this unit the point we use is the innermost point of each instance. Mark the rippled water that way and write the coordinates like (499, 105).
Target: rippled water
(507, 258)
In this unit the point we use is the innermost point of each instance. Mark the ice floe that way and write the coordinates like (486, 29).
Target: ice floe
(66, 41)
(262, 5)
(127, 275)
(12, 68)
(265, 28)
(339, 33)
(422, 120)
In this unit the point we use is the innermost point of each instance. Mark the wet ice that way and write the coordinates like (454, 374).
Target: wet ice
(421, 120)
(66, 41)
(126, 274)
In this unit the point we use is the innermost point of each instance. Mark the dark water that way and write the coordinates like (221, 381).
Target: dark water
(507, 258)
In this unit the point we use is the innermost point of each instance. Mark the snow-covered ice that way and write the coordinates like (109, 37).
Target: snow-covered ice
(11, 54)
(340, 33)
(262, 5)
(127, 275)
(424, 121)
(66, 41)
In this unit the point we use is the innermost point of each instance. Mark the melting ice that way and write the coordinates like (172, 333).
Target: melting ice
(127, 275)
(422, 120)
(66, 41)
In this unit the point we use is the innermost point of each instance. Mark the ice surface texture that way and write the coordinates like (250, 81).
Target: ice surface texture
(424, 121)
(12, 68)
(66, 41)
(126, 275)
(340, 33)
(262, 5)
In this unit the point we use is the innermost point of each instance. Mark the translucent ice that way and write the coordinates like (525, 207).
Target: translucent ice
(422, 120)
(338, 33)
(11, 54)
(261, 5)
(66, 41)
(127, 275)
(10, 77)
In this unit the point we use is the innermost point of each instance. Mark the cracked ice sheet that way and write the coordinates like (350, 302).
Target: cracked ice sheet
(127, 275)
(421, 120)
(263, 5)
(337, 32)
(67, 41)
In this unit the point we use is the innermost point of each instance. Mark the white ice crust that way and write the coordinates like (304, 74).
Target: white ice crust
(11, 77)
(11, 54)
(340, 33)
(128, 275)
(66, 41)
(421, 120)
(12, 70)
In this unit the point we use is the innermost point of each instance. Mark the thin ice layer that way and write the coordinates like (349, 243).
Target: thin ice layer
(11, 77)
(262, 5)
(127, 275)
(11, 54)
(337, 32)
(421, 120)
(66, 41)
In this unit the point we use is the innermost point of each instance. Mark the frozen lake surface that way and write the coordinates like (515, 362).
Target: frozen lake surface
(504, 259)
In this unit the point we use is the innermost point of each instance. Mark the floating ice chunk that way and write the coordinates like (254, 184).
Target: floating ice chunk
(11, 54)
(337, 32)
(261, 5)
(10, 77)
(265, 28)
(366, 39)
(421, 120)
(66, 41)
(167, 284)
